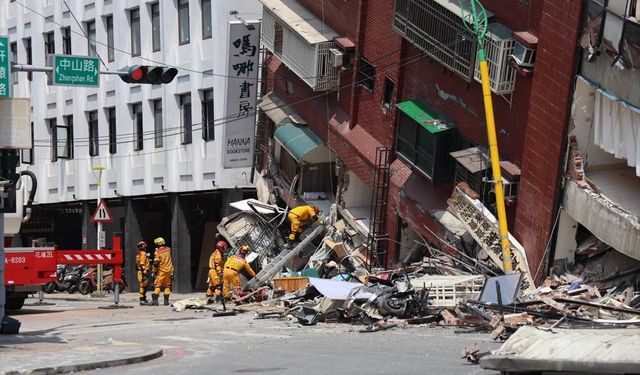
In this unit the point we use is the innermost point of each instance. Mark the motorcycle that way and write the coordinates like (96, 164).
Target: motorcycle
(58, 284)
(89, 283)
(72, 278)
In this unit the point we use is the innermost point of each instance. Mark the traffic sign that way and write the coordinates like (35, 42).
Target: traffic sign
(102, 214)
(76, 71)
(5, 68)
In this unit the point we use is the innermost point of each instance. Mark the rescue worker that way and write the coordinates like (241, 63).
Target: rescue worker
(232, 267)
(143, 266)
(300, 217)
(163, 271)
(215, 270)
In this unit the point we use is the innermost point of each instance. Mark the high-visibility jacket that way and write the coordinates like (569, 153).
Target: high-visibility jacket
(237, 263)
(215, 262)
(162, 263)
(142, 262)
(302, 213)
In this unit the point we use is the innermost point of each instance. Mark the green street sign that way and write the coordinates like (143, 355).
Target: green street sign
(5, 68)
(75, 71)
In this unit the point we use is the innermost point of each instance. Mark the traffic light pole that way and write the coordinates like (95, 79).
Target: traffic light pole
(48, 69)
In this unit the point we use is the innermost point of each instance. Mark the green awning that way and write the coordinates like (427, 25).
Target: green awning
(423, 116)
(297, 139)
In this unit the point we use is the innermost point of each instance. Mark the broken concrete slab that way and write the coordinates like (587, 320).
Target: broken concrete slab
(579, 350)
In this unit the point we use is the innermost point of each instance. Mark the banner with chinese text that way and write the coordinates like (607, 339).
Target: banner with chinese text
(242, 86)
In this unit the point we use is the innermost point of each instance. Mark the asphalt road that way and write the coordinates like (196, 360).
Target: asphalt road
(196, 343)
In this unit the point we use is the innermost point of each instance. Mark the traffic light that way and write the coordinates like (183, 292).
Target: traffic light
(153, 75)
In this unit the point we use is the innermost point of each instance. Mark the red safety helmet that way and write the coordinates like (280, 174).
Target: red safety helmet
(221, 245)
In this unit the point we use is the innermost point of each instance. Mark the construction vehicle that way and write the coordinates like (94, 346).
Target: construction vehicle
(29, 269)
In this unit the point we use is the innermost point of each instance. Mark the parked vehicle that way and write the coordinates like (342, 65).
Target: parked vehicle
(73, 278)
(57, 285)
(89, 283)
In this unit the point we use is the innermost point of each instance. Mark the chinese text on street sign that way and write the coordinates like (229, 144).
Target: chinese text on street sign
(241, 95)
(5, 68)
(76, 71)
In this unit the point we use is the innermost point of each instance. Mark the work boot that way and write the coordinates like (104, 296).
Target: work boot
(144, 302)
(166, 300)
(154, 299)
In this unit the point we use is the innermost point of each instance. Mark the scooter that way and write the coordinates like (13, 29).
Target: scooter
(72, 278)
(89, 284)
(58, 284)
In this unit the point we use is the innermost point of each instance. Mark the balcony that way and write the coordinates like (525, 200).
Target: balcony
(302, 41)
(437, 28)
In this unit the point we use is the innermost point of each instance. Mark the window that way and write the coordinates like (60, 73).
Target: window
(111, 118)
(134, 19)
(439, 32)
(278, 38)
(183, 21)
(424, 141)
(61, 138)
(27, 153)
(108, 21)
(208, 126)
(157, 122)
(66, 40)
(90, 28)
(14, 59)
(366, 75)
(138, 136)
(206, 19)
(94, 146)
(387, 96)
(49, 43)
(27, 50)
(155, 26)
(185, 117)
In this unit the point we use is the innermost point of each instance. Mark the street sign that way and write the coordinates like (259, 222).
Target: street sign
(75, 71)
(5, 68)
(15, 123)
(102, 214)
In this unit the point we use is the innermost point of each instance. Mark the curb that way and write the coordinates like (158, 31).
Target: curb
(90, 365)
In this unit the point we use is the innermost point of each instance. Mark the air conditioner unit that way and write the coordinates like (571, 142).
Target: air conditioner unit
(336, 57)
(523, 56)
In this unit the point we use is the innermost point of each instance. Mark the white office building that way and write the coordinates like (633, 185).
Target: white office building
(161, 146)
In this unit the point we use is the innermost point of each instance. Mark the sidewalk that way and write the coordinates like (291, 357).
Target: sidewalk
(61, 335)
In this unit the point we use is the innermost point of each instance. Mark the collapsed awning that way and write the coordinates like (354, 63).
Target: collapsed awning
(423, 116)
(473, 159)
(276, 108)
(302, 143)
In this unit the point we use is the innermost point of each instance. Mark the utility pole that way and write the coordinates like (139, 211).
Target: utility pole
(478, 26)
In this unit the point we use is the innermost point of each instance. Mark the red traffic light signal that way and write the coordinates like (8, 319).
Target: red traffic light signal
(153, 75)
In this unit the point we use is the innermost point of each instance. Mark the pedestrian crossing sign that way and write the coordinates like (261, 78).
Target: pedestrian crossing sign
(102, 214)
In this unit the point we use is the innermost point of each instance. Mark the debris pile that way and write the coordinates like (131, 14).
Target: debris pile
(328, 277)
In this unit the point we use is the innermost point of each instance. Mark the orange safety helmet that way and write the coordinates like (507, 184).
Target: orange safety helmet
(142, 245)
(244, 249)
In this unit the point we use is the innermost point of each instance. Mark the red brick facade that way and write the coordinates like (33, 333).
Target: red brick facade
(530, 128)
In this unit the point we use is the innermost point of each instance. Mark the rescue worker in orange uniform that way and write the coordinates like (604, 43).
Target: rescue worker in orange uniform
(299, 217)
(215, 270)
(143, 266)
(232, 267)
(163, 270)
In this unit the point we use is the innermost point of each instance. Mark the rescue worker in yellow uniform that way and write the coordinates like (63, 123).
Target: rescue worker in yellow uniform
(232, 267)
(299, 217)
(215, 270)
(143, 266)
(163, 270)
